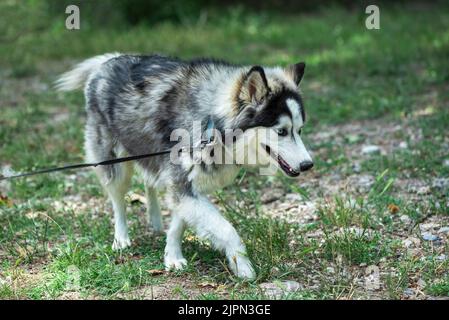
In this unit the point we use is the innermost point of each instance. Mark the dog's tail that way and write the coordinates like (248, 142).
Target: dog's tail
(76, 77)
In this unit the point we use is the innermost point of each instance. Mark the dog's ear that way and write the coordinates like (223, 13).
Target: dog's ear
(254, 86)
(296, 71)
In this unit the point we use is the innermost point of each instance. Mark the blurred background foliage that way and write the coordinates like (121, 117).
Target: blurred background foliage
(132, 12)
(387, 70)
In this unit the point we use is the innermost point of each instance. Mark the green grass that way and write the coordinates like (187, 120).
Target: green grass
(356, 248)
(440, 288)
(51, 224)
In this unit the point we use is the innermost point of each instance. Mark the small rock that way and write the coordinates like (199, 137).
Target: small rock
(409, 292)
(307, 208)
(423, 190)
(324, 135)
(444, 230)
(365, 182)
(292, 286)
(7, 171)
(441, 257)
(61, 117)
(271, 196)
(307, 218)
(405, 219)
(370, 149)
(427, 236)
(428, 226)
(330, 270)
(403, 145)
(446, 163)
(5, 281)
(407, 243)
(293, 197)
(440, 183)
(410, 241)
(276, 290)
(356, 167)
(421, 284)
(353, 138)
(415, 253)
(315, 234)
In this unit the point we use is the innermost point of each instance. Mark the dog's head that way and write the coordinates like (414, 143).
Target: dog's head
(271, 114)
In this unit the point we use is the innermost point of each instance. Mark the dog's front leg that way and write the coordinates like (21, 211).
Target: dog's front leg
(207, 221)
(173, 258)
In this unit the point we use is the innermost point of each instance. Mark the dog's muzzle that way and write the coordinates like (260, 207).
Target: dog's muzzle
(305, 165)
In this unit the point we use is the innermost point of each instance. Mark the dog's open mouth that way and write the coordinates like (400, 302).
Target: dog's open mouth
(282, 163)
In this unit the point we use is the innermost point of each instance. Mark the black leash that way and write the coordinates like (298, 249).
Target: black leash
(86, 165)
(209, 136)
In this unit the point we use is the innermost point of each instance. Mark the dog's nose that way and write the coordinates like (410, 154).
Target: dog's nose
(306, 165)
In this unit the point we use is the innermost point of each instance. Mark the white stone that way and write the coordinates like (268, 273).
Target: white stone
(277, 290)
(421, 284)
(370, 149)
(409, 292)
(271, 196)
(440, 183)
(446, 163)
(405, 219)
(403, 145)
(441, 257)
(429, 237)
(293, 197)
(410, 241)
(423, 190)
(427, 226)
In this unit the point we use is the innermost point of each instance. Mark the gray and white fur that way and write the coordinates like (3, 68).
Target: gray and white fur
(135, 102)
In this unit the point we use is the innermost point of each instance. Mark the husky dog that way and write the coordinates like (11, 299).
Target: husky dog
(133, 104)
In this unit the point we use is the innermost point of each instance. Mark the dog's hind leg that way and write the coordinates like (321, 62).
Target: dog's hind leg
(153, 210)
(117, 189)
(116, 179)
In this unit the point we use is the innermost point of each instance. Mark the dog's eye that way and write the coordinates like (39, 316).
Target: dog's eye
(282, 132)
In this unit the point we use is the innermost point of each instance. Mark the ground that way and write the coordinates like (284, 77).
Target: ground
(370, 221)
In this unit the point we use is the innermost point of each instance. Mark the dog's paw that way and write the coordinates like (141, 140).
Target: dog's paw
(121, 243)
(174, 263)
(242, 267)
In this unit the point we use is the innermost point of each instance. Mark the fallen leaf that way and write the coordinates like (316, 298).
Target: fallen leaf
(135, 197)
(393, 208)
(207, 284)
(221, 287)
(5, 201)
(155, 272)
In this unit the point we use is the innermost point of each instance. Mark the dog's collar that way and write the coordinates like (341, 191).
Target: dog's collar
(208, 136)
